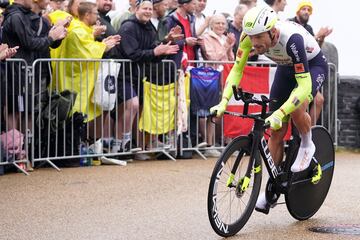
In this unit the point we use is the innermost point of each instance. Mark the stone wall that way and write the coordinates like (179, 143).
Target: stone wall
(349, 112)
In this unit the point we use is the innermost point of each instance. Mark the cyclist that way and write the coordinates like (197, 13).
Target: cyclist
(301, 70)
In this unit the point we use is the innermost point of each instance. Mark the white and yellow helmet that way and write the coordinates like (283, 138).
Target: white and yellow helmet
(259, 19)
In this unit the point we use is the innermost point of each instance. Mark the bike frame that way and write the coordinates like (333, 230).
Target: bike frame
(257, 139)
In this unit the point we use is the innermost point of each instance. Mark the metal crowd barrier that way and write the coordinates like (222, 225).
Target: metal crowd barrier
(14, 117)
(328, 117)
(88, 130)
(61, 120)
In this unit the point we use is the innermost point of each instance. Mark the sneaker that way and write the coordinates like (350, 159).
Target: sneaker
(128, 148)
(116, 148)
(201, 145)
(212, 153)
(106, 142)
(262, 205)
(303, 158)
(97, 147)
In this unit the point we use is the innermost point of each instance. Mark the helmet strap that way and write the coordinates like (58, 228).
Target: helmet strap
(271, 36)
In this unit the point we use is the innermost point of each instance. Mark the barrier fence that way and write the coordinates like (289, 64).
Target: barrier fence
(14, 120)
(75, 110)
(257, 78)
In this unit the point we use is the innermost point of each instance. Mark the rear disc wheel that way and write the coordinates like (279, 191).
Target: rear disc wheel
(304, 199)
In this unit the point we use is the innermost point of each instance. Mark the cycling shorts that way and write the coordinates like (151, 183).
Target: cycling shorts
(285, 82)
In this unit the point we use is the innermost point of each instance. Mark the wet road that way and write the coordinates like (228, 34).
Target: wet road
(153, 200)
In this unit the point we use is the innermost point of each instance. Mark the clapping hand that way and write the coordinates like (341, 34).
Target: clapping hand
(99, 29)
(166, 49)
(323, 33)
(111, 41)
(230, 39)
(64, 22)
(6, 52)
(175, 34)
(57, 32)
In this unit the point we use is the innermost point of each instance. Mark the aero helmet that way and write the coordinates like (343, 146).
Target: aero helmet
(259, 19)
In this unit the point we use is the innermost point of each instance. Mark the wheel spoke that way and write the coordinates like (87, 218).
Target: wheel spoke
(230, 202)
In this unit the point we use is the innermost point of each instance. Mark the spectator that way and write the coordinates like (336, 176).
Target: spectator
(249, 3)
(304, 10)
(42, 26)
(277, 5)
(57, 5)
(163, 35)
(104, 7)
(73, 7)
(235, 26)
(71, 13)
(183, 16)
(172, 6)
(217, 47)
(16, 32)
(158, 21)
(189, 46)
(80, 43)
(119, 19)
(138, 44)
(106, 30)
(201, 21)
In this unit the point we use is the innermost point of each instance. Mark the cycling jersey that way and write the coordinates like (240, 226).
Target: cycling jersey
(294, 49)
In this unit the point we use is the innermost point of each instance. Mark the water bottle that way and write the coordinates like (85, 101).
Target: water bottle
(84, 161)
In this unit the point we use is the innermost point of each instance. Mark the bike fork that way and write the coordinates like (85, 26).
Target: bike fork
(245, 181)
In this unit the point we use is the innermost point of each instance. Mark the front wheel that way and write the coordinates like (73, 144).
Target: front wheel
(232, 196)
(305, 198)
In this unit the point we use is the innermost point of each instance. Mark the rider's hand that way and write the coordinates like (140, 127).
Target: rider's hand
(275, 120)
(220, 108)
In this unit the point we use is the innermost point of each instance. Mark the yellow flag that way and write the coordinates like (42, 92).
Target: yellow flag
(158, 115)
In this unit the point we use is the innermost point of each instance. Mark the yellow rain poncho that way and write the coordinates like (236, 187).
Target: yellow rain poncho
(78, 76)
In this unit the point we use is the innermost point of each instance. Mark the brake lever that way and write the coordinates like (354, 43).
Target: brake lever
(267, 125)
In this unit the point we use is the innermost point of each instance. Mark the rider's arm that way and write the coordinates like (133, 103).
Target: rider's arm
(296, 50)
(236, 72)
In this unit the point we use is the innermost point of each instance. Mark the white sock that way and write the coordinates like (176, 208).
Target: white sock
(306, 139)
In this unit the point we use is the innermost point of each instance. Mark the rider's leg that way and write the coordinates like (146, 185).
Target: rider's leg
(276, 144)
(301, 118)
(276, 147)
(280, 90)
(302, 122)
(316, 108)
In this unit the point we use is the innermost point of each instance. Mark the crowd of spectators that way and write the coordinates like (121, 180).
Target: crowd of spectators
(148, 32)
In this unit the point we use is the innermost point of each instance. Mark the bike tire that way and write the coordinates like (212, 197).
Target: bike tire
(305, 199)
(225, 224)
